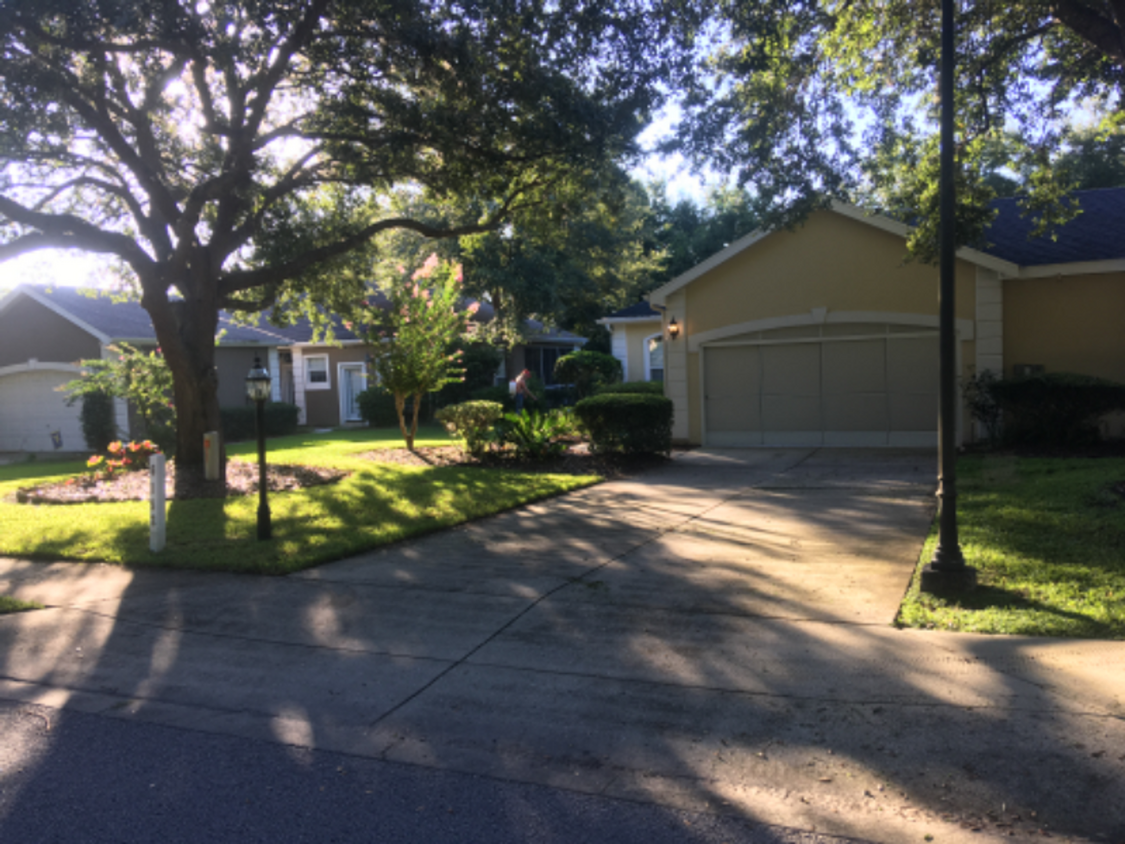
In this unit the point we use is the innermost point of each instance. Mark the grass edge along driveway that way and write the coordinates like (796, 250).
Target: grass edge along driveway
(1047, 536)
(377, 504)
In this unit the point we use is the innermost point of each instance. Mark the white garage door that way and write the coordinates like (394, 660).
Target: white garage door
(851, 391)
(31, 410)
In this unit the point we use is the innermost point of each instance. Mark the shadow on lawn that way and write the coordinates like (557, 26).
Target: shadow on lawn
(591, 647)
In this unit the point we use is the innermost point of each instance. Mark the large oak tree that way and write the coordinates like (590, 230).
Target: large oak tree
(233, 153)
(816, 99)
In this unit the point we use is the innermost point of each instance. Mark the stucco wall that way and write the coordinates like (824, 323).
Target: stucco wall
(1067, 324)
(29, 330)
(635, 334)
(831, 262)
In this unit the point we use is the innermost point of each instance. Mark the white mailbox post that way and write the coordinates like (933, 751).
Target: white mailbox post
(156, 521)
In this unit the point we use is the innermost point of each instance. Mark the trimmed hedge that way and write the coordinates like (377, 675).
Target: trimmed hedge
(377, 407)
(472, 421)
(98, 426)
(238, 422)
(648, 388)
(587, 370)
(1055, 408)
(634, 423)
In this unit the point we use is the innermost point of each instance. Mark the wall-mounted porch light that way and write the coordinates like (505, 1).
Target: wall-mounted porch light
(673, 329)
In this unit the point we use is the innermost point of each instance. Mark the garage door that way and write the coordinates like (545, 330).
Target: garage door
(31, 410)
(851, 391)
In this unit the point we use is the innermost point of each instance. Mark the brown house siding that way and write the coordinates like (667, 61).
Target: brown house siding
(29, 330)
(323, 406)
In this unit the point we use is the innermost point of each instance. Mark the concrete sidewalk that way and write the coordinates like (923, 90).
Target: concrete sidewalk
(714, 635)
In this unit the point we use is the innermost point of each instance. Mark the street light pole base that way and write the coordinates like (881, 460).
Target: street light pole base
(938, 581)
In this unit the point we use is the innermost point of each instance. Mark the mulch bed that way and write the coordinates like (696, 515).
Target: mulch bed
(577, 460)
(242, 479)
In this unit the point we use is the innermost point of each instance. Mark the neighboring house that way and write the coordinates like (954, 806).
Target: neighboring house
(45, 332)
(824, 335)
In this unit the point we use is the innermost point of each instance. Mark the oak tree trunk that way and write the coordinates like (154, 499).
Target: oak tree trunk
(185, 329)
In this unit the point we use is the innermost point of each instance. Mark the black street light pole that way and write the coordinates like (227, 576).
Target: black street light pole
(258, 389)
(947, 571)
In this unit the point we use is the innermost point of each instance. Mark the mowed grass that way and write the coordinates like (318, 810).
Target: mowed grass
(8, 604)
(377, 504)
(1047, 536)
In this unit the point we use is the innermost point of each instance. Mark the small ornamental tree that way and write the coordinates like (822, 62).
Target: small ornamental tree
(140, 377)
(414, 336)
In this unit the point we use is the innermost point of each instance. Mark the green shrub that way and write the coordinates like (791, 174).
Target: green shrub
(500, 394)
(238, 422)
(979, 396)
(481, 362)
(472, 421)
(1057, 408)
(650, 388)
(634, 423)
(98, 426)
(535, 435)
(587, 370)
(377, 407)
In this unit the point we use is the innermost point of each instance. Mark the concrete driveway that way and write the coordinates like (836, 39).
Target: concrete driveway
(714, 635)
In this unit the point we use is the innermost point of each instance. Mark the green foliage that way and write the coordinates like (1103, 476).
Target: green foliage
(1045, 535)
(472, 421)
(500, 394)
(1055, 408)
(240, 154)
(239, 423)
(99, 427)
(8, 604)
(651, 388)
(378, 503)
(480, 362)
(141, 378)
(587, 370)
(813, 101)
(978, 395)
(534, 434)
(413, 338)
(631, 423)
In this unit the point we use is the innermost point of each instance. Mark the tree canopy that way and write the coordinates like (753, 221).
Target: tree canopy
(818, 99)
(236, 153)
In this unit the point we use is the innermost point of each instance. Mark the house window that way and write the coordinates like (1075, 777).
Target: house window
(654, 358)
(316, 372)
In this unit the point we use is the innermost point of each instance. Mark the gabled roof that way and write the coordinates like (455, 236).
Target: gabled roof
(640, 312)
(111, 320)
(1096, 235)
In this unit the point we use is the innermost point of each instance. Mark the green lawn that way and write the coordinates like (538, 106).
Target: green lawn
(1048, 538)
(9, 604)
(378, 503)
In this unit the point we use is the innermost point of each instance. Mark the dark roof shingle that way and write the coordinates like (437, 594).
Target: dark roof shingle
(1096, 234)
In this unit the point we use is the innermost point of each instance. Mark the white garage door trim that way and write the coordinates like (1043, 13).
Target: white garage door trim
(800, 405)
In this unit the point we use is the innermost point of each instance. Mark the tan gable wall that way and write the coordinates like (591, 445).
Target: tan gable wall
(1067, 324)
(29, 330)
(831, 262)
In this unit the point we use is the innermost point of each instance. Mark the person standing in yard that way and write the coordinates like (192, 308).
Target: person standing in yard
(523, 389)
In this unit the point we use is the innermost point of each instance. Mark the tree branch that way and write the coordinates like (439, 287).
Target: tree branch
(65, 231)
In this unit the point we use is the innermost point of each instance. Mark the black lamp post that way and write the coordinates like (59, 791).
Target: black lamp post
(947, 571)
(258, 389)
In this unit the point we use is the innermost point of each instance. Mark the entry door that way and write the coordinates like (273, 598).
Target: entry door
(353, 381)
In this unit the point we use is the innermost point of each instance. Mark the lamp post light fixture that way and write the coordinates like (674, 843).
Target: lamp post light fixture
(258, 390)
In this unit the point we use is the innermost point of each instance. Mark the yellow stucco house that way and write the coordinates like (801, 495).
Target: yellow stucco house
(825, 335)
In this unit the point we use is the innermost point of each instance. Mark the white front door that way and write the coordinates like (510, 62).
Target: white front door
(353, 381)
